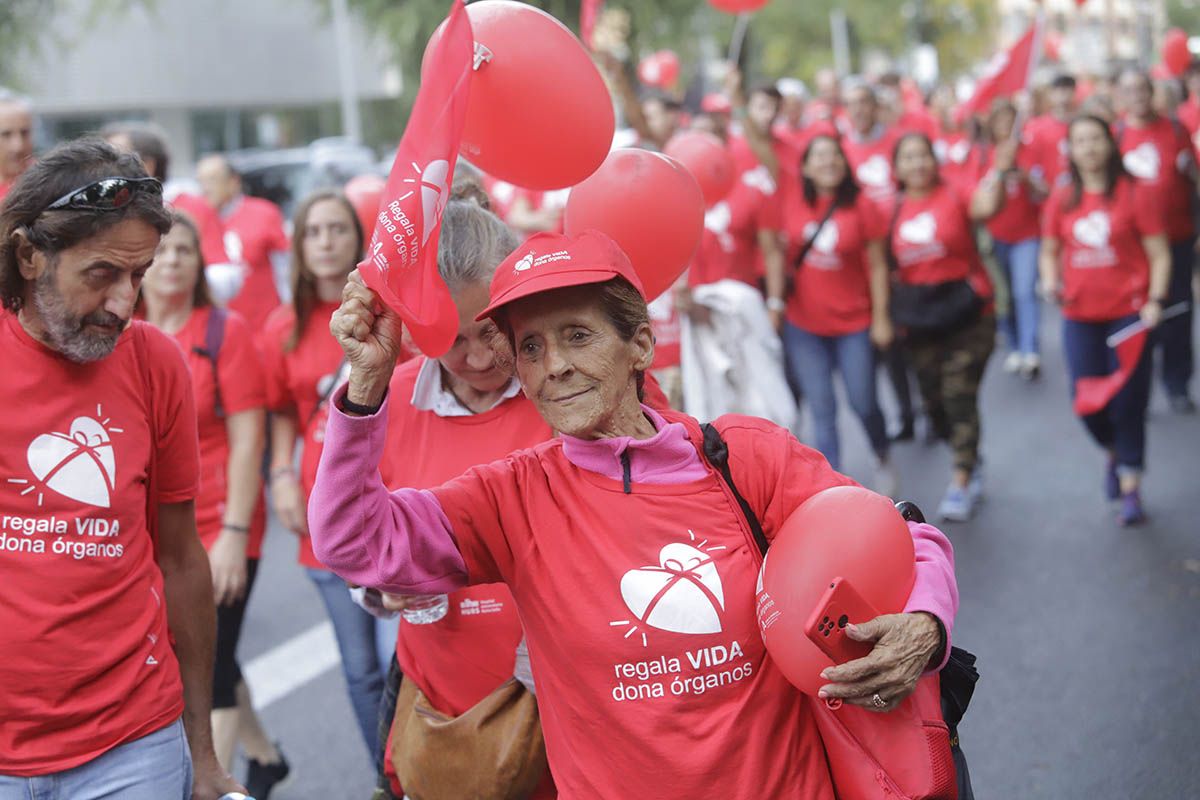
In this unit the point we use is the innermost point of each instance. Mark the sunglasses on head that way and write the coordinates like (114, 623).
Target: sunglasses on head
(107, 194)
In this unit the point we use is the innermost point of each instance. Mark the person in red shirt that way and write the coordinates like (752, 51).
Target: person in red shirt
(1157, 151)
(303, 365)
(869, 144)
(1004, 165)
(231, 518)
(107, 621)
(933, 245)
(16, 139)
(1105, 256)
(254, 236)
(952, 142)
(1046, 135)
(838, 307)
(630, 562)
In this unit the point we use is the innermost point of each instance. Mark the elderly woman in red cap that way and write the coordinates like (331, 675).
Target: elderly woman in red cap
(631, 565)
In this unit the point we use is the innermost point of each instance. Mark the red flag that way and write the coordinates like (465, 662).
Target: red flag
(589, 11)
(1093, 394)
(401, 262)
(1009, 72)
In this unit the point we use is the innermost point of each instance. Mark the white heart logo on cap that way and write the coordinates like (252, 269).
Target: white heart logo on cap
(1143, 161)
(875, 171)
(683, 594)
(1092, 230)
(921, 229)
(525, 263)
(78, 464)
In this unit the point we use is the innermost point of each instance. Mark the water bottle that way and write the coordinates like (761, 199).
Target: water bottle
(423, 609)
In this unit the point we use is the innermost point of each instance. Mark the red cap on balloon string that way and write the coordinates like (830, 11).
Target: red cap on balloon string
(553, 261)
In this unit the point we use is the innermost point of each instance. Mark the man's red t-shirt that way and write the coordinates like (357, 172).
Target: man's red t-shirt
(1105, 271)
(296, 381)
(87, 663)
(954, 152)
(1046, 138)
(240, 378)
(871, 162)
(1160, 156)
(640, 617)
(208, 222)
(666, 324)
(832, 295)
(729, 244)
(257, 228)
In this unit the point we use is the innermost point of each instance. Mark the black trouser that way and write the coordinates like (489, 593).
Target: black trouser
(387, 710)
(896, 364)
(226, 672)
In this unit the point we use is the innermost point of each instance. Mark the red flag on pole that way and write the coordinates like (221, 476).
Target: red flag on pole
(401, 262)
(589, 12)
(1009, 72)
(1093, 394)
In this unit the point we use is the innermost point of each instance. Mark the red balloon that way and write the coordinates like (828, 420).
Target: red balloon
(539, 114)
(847, 532)
(738, 6)
(1175, 52)
(660, 70)
(650, 205)
(709, 161)
(365, 193)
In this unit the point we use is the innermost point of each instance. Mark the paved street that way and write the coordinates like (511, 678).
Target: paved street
(1088, 635)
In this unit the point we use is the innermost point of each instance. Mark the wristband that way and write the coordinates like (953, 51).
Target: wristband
(229, 526)
(350, 407)
(776, 304)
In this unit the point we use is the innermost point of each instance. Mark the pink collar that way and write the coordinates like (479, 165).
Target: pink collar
(667, 457)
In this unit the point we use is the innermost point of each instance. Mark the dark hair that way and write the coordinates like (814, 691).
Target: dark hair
(1114, 170)
(846, 192)
(668, 102)
(937, 175)
(304, 286)
(146, 139)
(769, 89)
(68, 167)
(1063, 81)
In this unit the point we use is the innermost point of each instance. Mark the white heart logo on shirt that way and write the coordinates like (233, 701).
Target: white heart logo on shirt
(759, 178)
(959, 151)
(875, 171)
(1092, 230)
(827, 240)
(921, 229)
(1143, 161)
(683, 594)
(78, 464)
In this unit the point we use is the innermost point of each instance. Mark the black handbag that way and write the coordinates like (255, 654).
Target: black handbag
(958, 677)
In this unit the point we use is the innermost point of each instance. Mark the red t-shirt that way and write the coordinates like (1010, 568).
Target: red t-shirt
(212, 230)
(462, 658)
(954, 150)
(1046, 138)
(297, 380)
(729, 244)
(932, 238)
(1105, 271)
(832, 295)
(240, 376)
(664, 321)
(639, 613)
(917, 119)
(1189, 114)
(871, 163)
(87, 661)
(1160, 156)
(798, 139)
(1018, 219)
(256, 226)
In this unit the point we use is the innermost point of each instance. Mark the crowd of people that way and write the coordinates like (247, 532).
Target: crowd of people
(869, 230)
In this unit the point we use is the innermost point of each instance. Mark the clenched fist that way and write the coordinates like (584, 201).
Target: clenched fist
(369, 334)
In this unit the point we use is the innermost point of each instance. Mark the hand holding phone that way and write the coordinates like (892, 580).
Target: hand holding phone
(839, 606)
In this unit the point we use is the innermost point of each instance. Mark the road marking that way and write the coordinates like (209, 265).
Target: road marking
(285, 668)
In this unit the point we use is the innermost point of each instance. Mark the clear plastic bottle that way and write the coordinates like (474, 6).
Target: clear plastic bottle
(424, 609)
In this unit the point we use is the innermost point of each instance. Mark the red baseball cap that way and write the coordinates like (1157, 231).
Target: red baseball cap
(716, 103)
(548, 261)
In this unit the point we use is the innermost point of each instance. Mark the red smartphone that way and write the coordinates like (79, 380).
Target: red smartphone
(838, 607)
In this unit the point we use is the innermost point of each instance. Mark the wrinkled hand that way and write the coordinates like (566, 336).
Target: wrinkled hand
(1151, 314)
(370, 336)
(210, 781)
(288, 500)
(904, 644)
(227, 561)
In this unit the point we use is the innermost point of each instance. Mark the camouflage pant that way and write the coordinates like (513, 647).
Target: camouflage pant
(949, 369)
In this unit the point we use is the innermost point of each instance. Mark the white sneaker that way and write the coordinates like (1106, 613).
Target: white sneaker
(1013, 362)
(957, 505)
(1031, 366)
(887, 482)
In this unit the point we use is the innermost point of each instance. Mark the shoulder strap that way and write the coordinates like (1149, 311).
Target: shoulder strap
(214, 337)
(325, 395)
(717, 453)
(888, 253)
(808, 244)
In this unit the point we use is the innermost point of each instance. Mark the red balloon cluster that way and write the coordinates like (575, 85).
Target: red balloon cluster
(846, 532)
(709, 161)
(532, 126)
(650, 205)
(1175, 52)
(738, 6)
(365, 193)
(660, 70)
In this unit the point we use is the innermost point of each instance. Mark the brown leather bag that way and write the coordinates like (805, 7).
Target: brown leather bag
(494, 751)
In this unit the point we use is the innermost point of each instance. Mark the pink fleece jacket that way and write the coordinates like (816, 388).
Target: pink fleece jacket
(402, 542)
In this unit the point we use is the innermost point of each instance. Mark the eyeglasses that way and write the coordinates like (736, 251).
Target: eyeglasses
(107, 194)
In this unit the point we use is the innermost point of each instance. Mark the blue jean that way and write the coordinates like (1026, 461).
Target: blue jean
(157, 766)
(1020, 263)
(366, 645)
(1174, 336)
(811, 360)
(1121, 425)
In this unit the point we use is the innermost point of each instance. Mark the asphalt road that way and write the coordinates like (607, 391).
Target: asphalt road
(1088, 635)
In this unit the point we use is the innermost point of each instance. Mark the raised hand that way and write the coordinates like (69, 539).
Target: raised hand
(369, 334)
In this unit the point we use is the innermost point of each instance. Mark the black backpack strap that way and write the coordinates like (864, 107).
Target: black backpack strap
(214, 338)
(889, 254)
(717, 453)
(808, 244)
